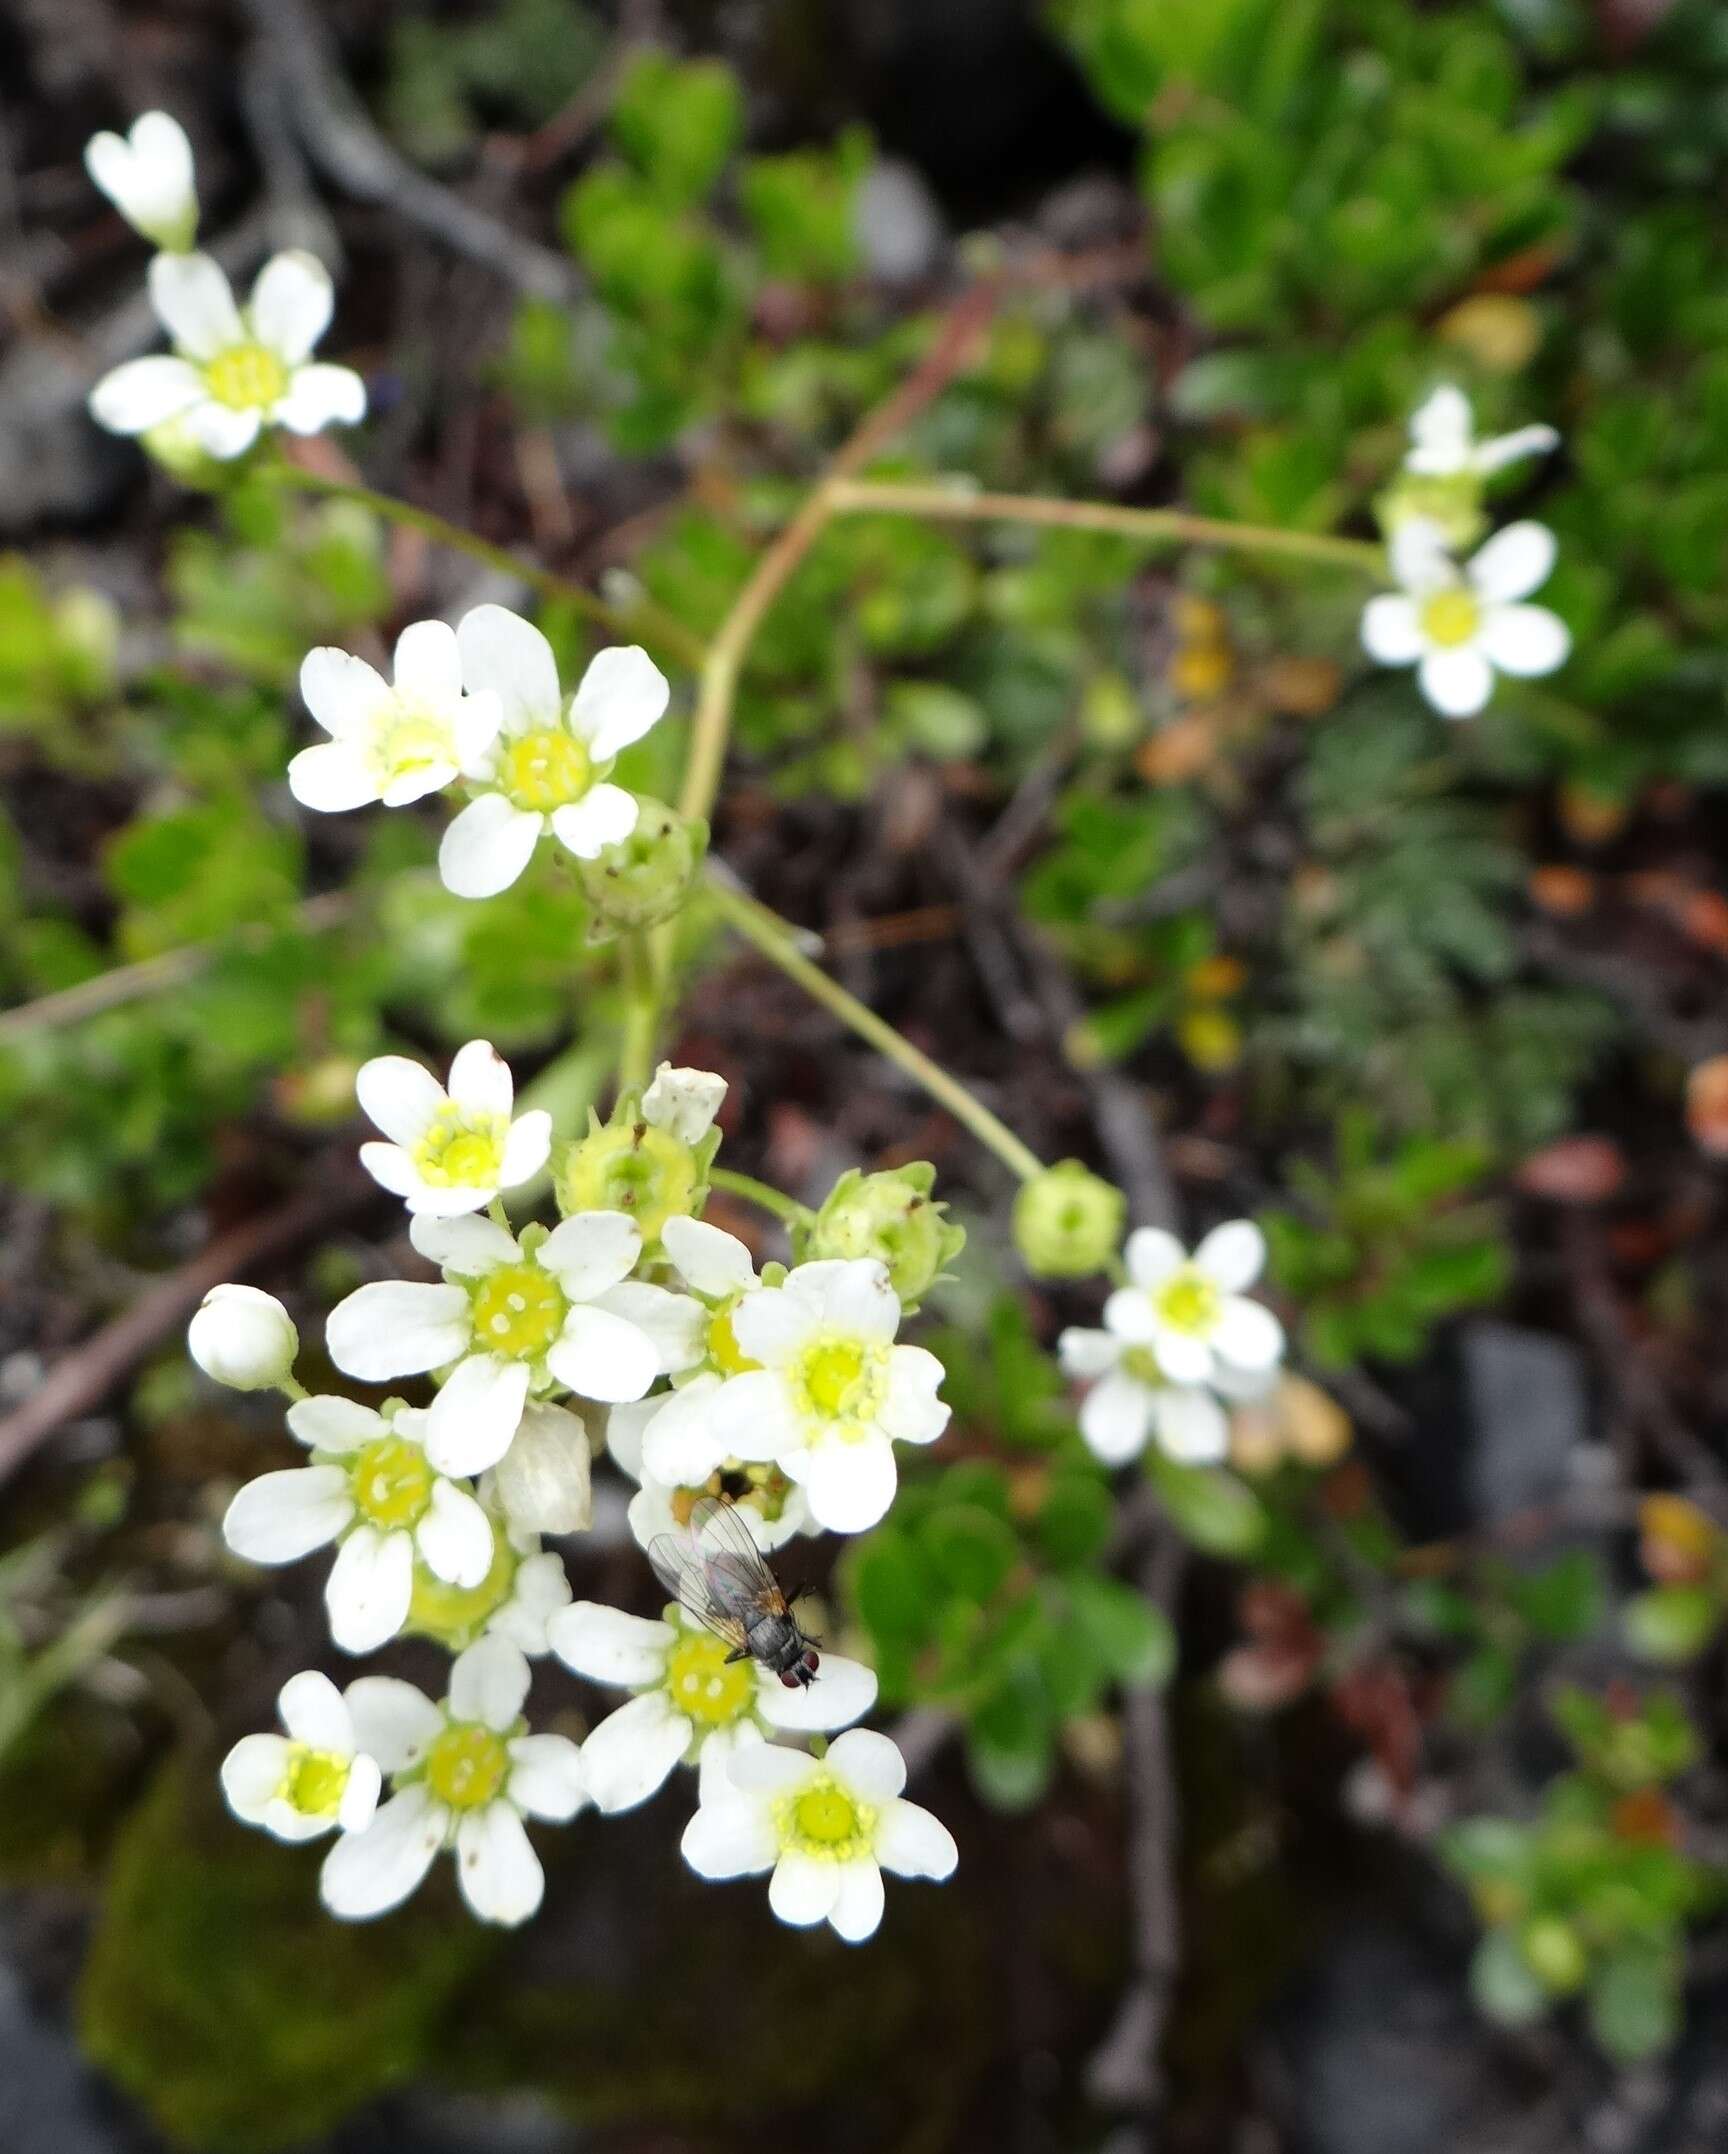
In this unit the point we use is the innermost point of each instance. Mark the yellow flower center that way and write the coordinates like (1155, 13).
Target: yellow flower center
(1450, 618)
(467, 1766)
(456, 1615)
(1188, 1301)
(458, 1151)
(518, 1311)
(825, 1820)
(392, 1483)
(703, 1687)
(315, 1781)
(546, 770)
(723, 1348)
(841, 1383)
(246, 377)
(407, 738)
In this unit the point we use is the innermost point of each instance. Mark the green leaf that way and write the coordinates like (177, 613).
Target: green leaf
(1505, 1987)
(1133, 1638)
(888, 1586)
(1673, 1623)
(1010, 1742)
(1210, 1507)
(1075, 1518)
(1634, 2002)
(678, 123)
(970, 1550)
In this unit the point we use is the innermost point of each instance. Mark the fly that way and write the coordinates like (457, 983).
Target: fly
(716, 1572)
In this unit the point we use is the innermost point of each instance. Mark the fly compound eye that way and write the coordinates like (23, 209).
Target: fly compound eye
(810, 1663)
(793, 1678)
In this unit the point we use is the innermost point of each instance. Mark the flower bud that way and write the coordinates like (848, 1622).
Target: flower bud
(890, 1216)
(646, 877)
(1452, 504)
(243, 1338)
(641, 1163)
(148, 177)
(454, 1616)
(684, 1102)
(1068, 1222)
(543, 1479)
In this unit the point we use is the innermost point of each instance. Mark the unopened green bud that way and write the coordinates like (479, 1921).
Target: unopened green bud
(890, 1216)
(636, 1165)
(454, 1616)
(1453, 504)
(1553, 1954)
(646, 877)
(1068, 1222)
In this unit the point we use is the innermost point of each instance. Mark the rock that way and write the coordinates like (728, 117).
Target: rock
(47, 2104)
(1528, 1416)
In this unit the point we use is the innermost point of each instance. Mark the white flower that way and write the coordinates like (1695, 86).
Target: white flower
(827, 1827)
(243, 1338)
(683, 1102)
(523, 1590)
(1191, 1310)
(233, 373)
(1132, 1399)
(774, 1508)
(833, 1393)
(684, 1449)
(313, 1780)
(514, 1317)
(1443, 440)
(393, 741)
(450, 1151)
(463, 1775)
(548, 768)
(147, 175)
(692, 1704)
(1460, 627)
(372, 1487)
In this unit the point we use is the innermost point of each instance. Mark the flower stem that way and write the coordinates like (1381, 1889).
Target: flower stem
(752, 1191)
(958, 501)
(641, 1014)
(644, 618)
(775, 939)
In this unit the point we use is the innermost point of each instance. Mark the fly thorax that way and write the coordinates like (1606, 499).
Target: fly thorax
(704, 1686)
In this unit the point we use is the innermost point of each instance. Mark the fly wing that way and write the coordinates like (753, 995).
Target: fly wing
(681, 1565)
(739, 1580)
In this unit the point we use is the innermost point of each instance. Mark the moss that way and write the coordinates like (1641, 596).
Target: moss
(228, 2004)
(60, 1790)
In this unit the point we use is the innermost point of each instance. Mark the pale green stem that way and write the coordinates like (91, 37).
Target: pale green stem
(775, 939)
(641, 1014)
(643, 619)
(752, 1191)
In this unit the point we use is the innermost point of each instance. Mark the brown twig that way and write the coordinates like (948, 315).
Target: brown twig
(84, 1377)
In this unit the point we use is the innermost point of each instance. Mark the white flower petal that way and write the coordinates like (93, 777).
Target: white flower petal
(912, 1413)
(602, 1357)
(506, 654)
(684, 1442)
(683, 1102)
(1129, 1315)
(868, 1763)
(1514, 563)
(367, 1873)
(1191, 1425)
(1441, 430)
(469, 1247)
(1183, 1358)
(497, 1869)
(489, 1683)
(148, 177)
(144, 393)
(591, 1251)
(677, 1325)
(1115, 1416)
(395, 1327)
(1421, 559)
(772, 1325)
(751, 1415)
(544, 1479)
(251, 1773)
(608, 1646)
(526, 1149)
(1085, 1354)
(1525, 640)
(1248, 1334)
(332, 778)
(854, 1295)
(622, 694)
(341, 691)
(312, 1711)
(392, 1169)
(455, 1537)
(1232, 1256)
(400, 1096)
(542, 1591)
(771, 1770)
(1152, 1255)
(219, 430)
(850, 1484)
(710, 1260)
(1392, 630)
(1457, 682)
(844, 1691)
(802, 1890)
(194, 304)
(475, 1416)
(480, 1080)
(714, 1759)
(393, 1722)
(283, 1516)
(857, 1910)
(605, 815)
(546, 1777)
(913, 1843)
(292, 303)
(629, 1755)
(1505, 449)
(321, 396)
(427, 668)
(729, 1837)
(486, 848)
(369, 1588)
(359, 1803)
